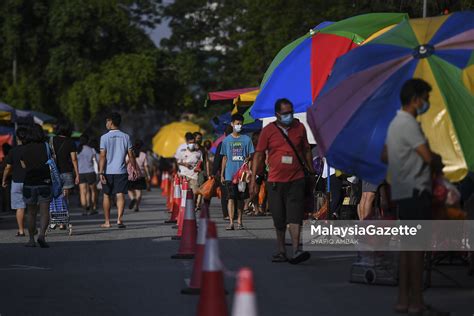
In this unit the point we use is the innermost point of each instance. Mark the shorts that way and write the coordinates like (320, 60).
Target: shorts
(140, 184)
(16, 196)
(417, 207)
(193, 184)
(233, 192)
(369, 187)
(36, 194)
(286, 202)
(88, 178)
(68, 180)
(115, 184)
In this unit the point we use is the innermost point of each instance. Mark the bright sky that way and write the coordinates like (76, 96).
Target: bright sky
(160, 32)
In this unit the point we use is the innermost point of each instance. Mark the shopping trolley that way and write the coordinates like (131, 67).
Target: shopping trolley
(59, 214)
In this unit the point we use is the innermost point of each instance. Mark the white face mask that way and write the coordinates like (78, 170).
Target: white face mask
(191, 147)
(237, 128)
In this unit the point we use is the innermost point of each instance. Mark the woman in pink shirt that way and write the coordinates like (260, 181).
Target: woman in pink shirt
(135, 188)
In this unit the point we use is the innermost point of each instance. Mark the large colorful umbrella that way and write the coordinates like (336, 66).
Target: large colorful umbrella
(301, 68)
(169, 137)
(351, 117)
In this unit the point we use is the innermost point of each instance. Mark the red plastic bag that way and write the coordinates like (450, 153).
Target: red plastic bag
(242, 175)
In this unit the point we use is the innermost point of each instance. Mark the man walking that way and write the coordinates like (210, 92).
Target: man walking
(289, 154)
(188, 158)
(409, 157)
(236, 150)
(114, 148)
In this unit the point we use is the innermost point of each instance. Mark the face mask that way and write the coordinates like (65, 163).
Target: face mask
(424, 108)
(237, 128)
(191, 147)
(286, 118)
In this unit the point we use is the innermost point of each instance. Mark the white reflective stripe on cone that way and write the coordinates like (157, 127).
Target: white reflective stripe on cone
(189, 211)
(183, 201)
(177, 191)
(245, 304)
(211, 262)
(202, 230)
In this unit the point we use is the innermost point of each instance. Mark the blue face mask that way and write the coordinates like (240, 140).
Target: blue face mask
(286, 119)
(424, 108)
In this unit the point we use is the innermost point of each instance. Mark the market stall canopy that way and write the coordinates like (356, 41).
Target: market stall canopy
(7, 113)
(171, 136)
(300, 70)
(247, 98)
(228, 94)
(351, 117)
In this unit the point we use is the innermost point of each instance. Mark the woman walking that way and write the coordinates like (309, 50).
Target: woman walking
(13, 167)
(86, 156)
(37, 183)
(135, 187)
(66, 156)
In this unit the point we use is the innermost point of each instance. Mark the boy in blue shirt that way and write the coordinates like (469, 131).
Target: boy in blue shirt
(236, 150)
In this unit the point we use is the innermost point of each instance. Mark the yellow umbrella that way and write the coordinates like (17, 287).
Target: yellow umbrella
(247, 98)
(169, 137)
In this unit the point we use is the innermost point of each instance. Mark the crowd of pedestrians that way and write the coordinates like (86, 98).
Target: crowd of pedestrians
(271, 172)
(28, 177)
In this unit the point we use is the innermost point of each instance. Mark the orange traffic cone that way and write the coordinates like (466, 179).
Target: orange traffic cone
(164, 183)
(245, 302)
(187, 201)
(212, 300)
(195, 283)
(176, 201)
(187, 246)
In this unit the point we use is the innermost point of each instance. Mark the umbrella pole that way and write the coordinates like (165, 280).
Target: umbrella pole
(328, 189)
(425, 5)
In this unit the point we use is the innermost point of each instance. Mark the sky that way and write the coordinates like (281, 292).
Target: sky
(160, 32)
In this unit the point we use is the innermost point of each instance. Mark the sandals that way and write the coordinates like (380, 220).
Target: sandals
(121, 225)
(230, 227)
(18, 234)
(279, 257)
(299, 257)
(240, 227)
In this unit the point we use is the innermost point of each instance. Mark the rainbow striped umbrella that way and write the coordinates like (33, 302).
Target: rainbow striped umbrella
(300, 70)
(351, 117)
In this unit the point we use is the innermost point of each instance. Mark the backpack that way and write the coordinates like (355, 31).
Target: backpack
(56, 181)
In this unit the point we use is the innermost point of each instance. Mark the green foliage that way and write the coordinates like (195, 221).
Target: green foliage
(78, 57)
(125, 81)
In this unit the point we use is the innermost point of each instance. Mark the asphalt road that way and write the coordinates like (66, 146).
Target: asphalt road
(129, 272)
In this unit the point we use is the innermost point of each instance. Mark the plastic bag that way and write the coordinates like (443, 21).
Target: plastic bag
(262, 194)
(208, 189)
(242, 186)
(242, 175)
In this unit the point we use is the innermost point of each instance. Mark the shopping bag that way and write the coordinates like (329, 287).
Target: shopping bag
(58, 205)
(208, 188)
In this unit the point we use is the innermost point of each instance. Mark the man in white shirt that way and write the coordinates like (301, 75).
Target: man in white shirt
(189, 158)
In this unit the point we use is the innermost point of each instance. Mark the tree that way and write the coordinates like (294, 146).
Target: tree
(61, 47)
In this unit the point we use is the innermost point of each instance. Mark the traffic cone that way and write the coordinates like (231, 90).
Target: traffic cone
(212, 300)
(245, 302)
(187, 246)
(195, 283)
(187, 202)
(164, 183)
(176, 201)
